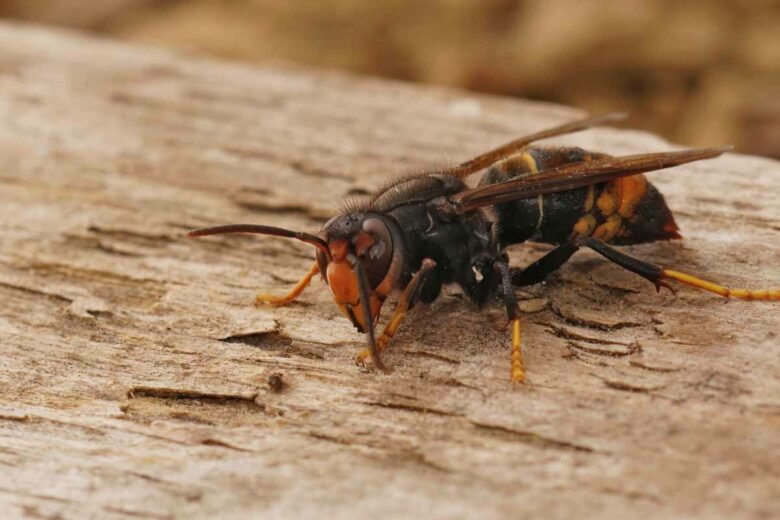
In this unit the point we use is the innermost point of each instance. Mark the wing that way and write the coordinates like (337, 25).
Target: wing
(576, 175)
(486, 159)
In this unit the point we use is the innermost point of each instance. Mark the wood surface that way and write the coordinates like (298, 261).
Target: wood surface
(137, 379)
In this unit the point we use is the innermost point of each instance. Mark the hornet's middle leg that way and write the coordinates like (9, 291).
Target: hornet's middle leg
(513, 313)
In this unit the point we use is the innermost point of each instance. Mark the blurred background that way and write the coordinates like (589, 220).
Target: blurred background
(698, 72)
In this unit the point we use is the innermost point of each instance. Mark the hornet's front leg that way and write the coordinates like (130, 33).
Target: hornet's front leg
(295, 292)
(406, 301)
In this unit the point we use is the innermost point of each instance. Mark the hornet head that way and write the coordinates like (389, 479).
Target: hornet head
(366, 242)
(360, 256)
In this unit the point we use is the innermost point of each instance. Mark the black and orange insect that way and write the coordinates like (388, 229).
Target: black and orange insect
(426, 230)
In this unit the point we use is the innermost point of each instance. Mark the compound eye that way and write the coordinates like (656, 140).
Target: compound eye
(374, 246)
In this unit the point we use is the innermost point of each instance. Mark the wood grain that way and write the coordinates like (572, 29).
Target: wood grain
(137, 379)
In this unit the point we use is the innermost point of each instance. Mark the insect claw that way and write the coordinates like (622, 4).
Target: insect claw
(362, 358)
(364, 361)
(659, 284)
(267, 299)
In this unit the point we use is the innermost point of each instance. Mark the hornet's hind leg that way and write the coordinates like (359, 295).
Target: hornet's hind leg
(538, 271)
(294, 293)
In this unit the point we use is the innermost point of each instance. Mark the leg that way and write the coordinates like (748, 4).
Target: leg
(744, 294)
(656, 274)
(513, 312)
(406, 301)
(296, 291)
(541, 269)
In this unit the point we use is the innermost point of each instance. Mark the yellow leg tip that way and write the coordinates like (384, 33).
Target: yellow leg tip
(743, 294)
(270, 299)
(518, 373)
(363, 358)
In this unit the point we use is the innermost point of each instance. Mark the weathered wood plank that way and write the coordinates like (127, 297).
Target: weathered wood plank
(135, 372)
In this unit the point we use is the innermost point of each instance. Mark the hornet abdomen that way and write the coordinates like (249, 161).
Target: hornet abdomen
(628, 210)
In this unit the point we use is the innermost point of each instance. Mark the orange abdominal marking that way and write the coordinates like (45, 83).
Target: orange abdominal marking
(585, 226)
(590, 199)
(608, 200)
(618, 202)
(608, 229)
(633, 190)
(622, 196)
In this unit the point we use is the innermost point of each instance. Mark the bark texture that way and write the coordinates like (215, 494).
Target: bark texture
(138, 380)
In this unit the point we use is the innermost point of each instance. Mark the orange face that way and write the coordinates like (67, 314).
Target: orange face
(343, 285)
(376, 259)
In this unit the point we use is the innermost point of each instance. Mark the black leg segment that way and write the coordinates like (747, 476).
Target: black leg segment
(539, 270)
(510, 298)
(513, 312)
